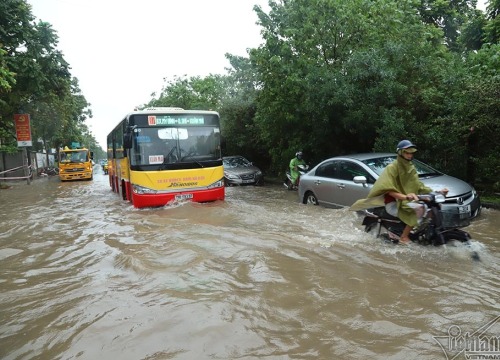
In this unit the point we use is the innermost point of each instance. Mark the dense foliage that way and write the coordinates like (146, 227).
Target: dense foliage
(331, 77)
(335, 77)
(35, 79)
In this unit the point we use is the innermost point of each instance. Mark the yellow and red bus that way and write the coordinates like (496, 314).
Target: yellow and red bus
(157, 156)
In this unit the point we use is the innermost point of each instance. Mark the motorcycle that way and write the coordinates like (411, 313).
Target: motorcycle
(288, 180)
(431, 230)
(105, 168)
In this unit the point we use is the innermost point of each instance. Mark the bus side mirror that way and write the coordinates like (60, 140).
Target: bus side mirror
(91, 155)
(127, 140)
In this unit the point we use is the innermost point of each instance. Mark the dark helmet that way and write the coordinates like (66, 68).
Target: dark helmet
(299, 154)
(405, 144)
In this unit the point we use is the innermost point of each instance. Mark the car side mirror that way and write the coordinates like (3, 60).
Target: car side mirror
(360, 180)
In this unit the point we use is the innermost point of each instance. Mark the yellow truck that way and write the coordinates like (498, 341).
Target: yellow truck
(75, 164)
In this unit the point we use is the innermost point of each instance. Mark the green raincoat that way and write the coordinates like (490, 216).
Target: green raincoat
(399, 176)
(294, 173)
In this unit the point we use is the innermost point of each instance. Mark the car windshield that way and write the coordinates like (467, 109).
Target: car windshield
(236, 162)
(378, 165)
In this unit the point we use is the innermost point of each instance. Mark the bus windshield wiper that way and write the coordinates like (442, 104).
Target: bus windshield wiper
(190, 156)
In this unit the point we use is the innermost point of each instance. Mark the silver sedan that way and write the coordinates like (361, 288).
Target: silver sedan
(341, 180)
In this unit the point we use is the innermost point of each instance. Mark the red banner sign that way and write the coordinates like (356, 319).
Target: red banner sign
(23, 130)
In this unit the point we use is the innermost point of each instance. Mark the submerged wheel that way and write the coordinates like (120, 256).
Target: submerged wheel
(310, 198)
(456, 235)
(124, 191)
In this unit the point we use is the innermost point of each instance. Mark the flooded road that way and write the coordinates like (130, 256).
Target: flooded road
(84, 275)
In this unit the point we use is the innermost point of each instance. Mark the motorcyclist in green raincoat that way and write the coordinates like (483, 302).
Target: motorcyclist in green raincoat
(397, 189)
(294, 169)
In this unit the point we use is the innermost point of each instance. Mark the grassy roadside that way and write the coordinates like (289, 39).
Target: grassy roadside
(491, 201)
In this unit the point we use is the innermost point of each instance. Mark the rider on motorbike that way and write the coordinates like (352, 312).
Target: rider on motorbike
(294, 167)
(397, 188)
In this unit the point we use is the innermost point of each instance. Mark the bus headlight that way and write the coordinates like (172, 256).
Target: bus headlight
(217, 184)
(142, 190)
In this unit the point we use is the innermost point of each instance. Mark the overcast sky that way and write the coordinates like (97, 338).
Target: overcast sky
(121, 51)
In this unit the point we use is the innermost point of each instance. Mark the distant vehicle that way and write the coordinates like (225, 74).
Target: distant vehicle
(104, 165)
(75, 164)
(239, 171)
(341, 180)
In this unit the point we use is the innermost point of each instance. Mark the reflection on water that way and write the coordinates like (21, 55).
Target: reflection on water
(87, 276)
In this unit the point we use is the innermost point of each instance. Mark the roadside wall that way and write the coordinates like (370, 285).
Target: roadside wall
(11, 161)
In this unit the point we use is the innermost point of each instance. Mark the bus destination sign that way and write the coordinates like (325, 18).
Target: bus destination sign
(154, 120)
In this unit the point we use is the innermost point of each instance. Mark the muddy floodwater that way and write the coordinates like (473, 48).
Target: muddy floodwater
(84, 275)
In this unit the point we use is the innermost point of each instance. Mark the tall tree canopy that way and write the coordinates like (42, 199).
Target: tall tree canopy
(335, 74)
(35, 78)
(334, 77)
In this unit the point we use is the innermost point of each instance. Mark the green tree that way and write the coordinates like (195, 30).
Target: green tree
(476, 110)
(338, 75)
(473, 32)
(449, 16)
(7, 77)
(59, 121)
(492, 28)
(238, 113)
(39, 81)
(194, 93)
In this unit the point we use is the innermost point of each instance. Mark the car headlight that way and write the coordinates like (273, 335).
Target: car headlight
(258, 173)
(231, 176)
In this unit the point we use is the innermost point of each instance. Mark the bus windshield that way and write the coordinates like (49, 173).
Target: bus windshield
(167, 145)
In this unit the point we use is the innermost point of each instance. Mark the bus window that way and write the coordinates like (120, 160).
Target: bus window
(173, 133)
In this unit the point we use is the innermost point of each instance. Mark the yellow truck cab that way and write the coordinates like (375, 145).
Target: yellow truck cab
(75, 164)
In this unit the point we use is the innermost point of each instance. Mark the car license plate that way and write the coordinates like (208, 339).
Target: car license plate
(464, 212)
(183, 196)
(246, 181)
(464, 209)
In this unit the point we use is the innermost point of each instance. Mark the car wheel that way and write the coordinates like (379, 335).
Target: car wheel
(310, 198)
